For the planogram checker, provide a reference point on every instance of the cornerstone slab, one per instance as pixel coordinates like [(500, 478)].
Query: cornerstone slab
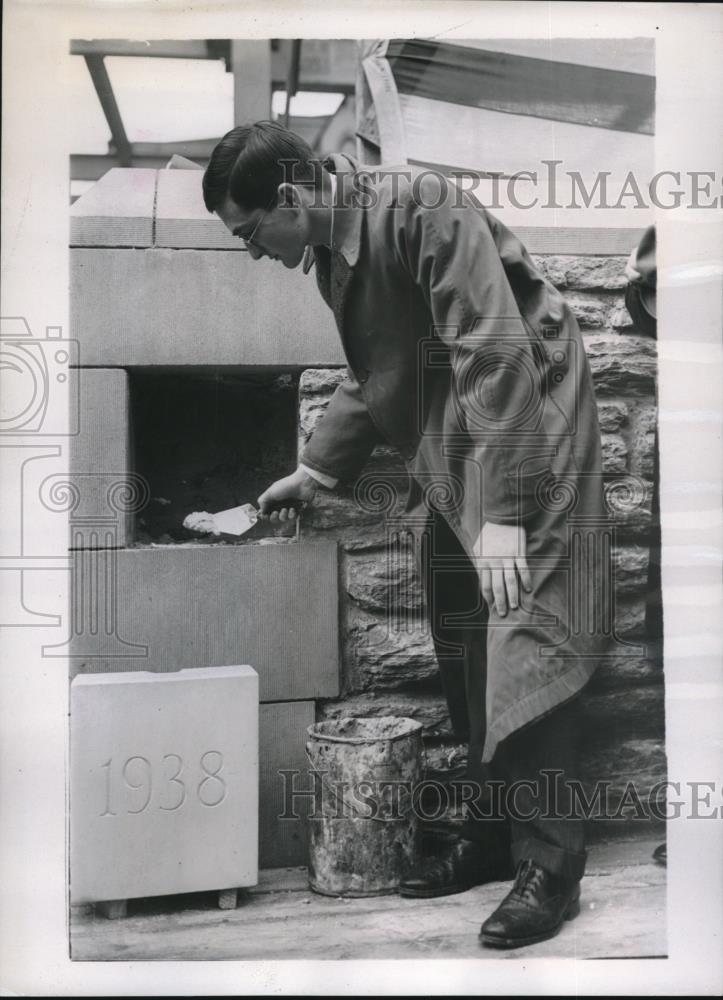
[(163, 783)]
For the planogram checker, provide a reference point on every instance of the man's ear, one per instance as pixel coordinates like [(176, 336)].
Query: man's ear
[(289, 196)]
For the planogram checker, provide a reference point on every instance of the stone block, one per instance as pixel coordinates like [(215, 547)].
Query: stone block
[(163, 783), (630, 615), (622, 364), (626, 671), (117, 211), (638, 758), (338, 514), (642, 440), (316, 387), (573, 240), (182, 219), (100, 460), (612, 414), (321, 381), (630, 569), (614, 454), (629, 713), (428, 709), (385, 581), (591, 311), (272, 605), (194, 307), (629, 500), (585, 273), (390, 653), (283, 735), (630, 765)]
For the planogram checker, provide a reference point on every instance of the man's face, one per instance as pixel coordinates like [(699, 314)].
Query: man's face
[(278, 233)]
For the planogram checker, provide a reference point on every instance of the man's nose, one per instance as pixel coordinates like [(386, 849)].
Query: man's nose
[(256, 254)]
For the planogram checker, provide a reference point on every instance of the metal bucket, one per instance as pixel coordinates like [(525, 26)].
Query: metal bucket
[(363, 833)]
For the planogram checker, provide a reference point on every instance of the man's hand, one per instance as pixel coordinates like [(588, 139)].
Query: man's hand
[(501, 549), (298, 486)]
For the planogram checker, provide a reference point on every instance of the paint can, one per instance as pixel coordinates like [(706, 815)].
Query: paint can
[(363, 831)]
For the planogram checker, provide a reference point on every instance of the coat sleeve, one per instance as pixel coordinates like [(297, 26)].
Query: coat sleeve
[(498, 373), (345, 436)]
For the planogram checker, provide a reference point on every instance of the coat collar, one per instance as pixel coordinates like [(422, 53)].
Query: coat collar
[(348, 215)]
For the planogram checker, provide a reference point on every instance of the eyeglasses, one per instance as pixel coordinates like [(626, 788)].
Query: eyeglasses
[(249, 240)]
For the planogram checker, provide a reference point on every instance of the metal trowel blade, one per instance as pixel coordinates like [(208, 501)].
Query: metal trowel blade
[(236, 520)]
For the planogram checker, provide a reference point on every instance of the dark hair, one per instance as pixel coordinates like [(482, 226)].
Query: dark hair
[(251, 161)]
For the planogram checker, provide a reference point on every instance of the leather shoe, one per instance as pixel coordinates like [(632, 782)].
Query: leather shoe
[(534, 910), (457, 867)]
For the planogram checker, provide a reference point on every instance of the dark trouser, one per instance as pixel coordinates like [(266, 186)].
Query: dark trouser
[(458, 617), (527, 786)]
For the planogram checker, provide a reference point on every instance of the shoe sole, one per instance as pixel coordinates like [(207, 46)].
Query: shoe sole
[(572, 911)]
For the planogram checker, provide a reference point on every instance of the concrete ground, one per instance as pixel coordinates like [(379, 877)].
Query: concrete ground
[(622, 916)]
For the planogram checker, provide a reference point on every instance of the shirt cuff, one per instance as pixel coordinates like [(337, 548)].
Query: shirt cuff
[(321, 477)]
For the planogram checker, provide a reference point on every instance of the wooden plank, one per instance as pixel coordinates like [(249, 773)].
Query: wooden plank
[(100, 459), (283, 736), (117, 211), (273, 606), (182, 219), (194, 307)]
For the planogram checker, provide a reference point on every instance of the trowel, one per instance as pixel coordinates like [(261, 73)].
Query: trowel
[(234, 521)]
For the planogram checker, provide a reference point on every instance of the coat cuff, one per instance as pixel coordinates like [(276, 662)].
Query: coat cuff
[(330, 482)]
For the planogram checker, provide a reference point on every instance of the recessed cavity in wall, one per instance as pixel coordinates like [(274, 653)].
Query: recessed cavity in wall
[(209, 440)]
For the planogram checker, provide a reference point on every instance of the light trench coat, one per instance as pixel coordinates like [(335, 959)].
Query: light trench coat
[(470, 363)]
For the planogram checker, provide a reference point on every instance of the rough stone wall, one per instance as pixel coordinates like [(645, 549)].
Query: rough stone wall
[(394, 672)]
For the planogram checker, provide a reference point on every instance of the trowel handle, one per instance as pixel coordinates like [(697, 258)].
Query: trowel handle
[(296, 502)]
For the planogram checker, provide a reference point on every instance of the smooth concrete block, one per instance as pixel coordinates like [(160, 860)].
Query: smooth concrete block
[(117, 211), (182, 219), (275, 606), (100, 460), (196, 307), (163, 783), (575, 240), (283, 737)]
